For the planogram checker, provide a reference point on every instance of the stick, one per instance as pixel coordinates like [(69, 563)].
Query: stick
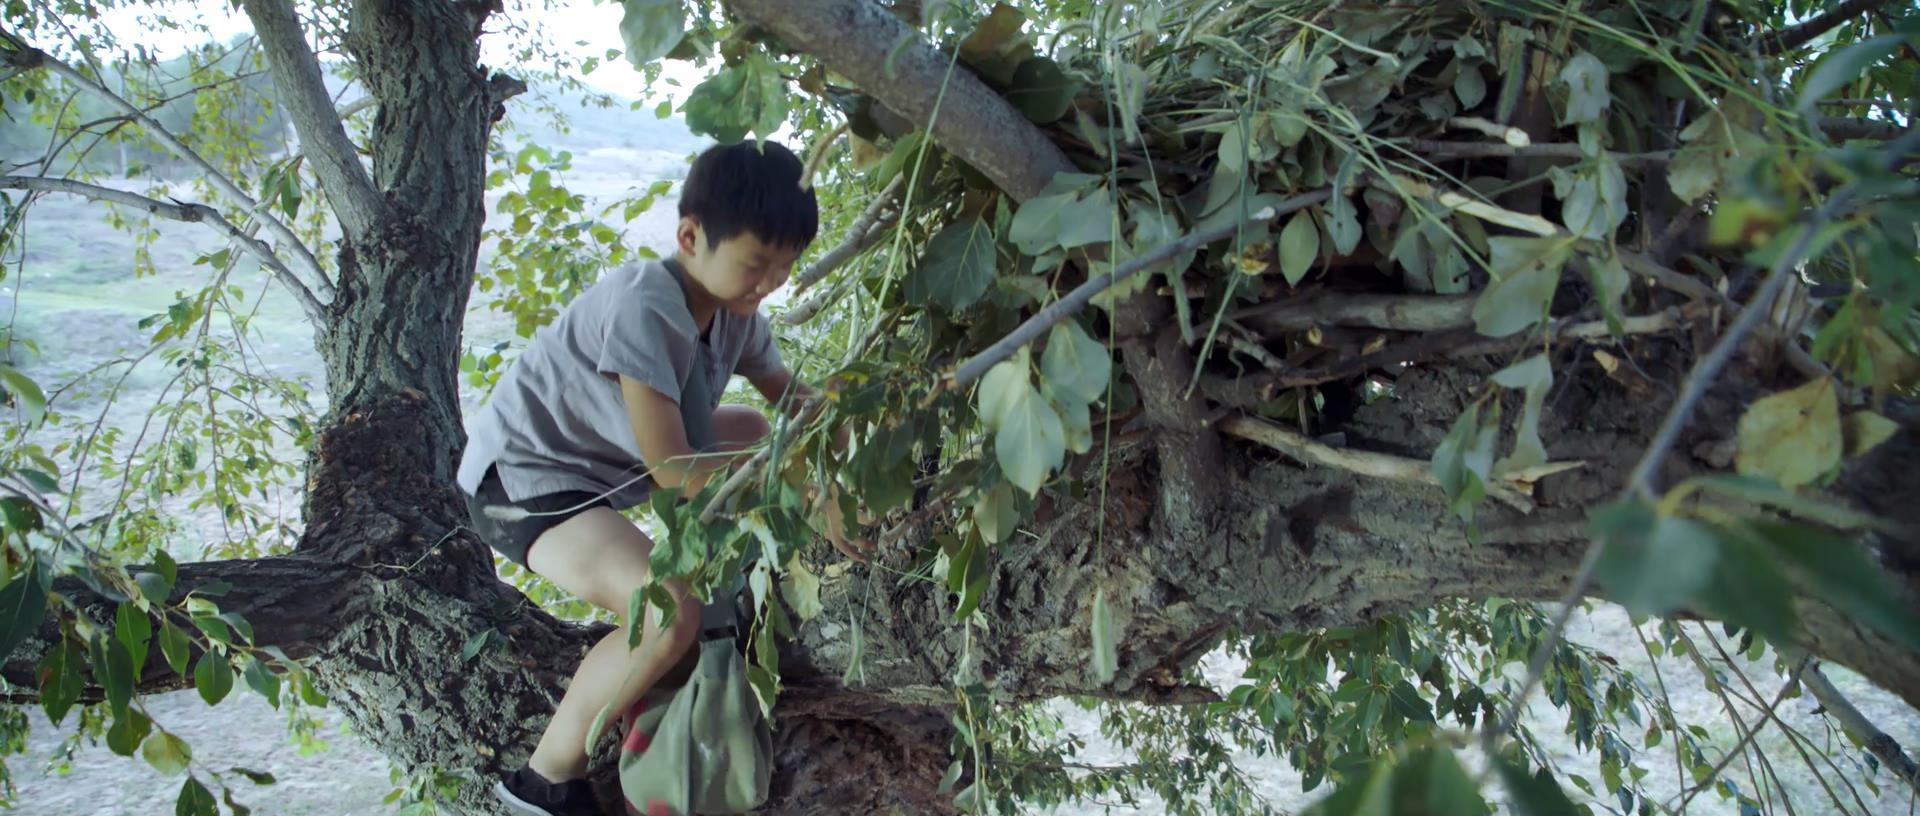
[(1061, 309), (1365, 463), (192, 213)]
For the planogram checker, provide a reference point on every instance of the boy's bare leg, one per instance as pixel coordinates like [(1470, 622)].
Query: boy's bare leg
[(601, 557)]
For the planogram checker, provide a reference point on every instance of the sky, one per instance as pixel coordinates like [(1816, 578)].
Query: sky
[(588, 26)]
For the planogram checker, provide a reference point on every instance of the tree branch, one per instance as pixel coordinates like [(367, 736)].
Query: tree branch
[(1060, 309), (1793, 37), (1416, 313), (1435, 149), (861, 40), (1370, 463), (293, 602), (26, 56), (296, 72), (192, 213), (1840, 127), (1884, 747), (863, 233)]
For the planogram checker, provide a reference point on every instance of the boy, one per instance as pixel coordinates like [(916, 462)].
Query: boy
[(616, 397)]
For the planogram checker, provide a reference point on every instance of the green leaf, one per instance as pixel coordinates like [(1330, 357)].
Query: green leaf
[(1534, 795), (1534, 376), (1463, 462), (26, 394), (213, 677), (766, 688), (256, 777), (129, 728), (1470, 86), (1299, 247), (1041, 91), (1527, 272), (1865, 430), (1343, 225), (135, 632), (956, 266), (1841, 67), (1586, 80), (1846, 577), (195, 800), (801, 588), (1609, 279), (598, 725), (1592, 205), (19, 515), (167, 753), (60, 680), (1652, 564), (651, 28), (175, 645), (1029, 439), (1075, 365), (1106, 660), (262, 679), (23, 602), (1077, 421), (1747, 588), (952, 776), (154, 587), (1792, 437), (994, 513), (40, 480), (995, 48), (749, 97), (1002, 386), (1693, 173), (1430, 780), (478, 640)]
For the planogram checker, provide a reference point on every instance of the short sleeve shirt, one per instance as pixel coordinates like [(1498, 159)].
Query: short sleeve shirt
[(557, 420)]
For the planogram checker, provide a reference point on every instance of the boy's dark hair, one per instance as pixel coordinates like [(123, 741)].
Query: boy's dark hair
[(746, 187)]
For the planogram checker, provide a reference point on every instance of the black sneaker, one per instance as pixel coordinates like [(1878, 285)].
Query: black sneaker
[(527, 793)]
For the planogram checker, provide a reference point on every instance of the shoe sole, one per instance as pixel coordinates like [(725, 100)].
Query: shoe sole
[(517, 804)]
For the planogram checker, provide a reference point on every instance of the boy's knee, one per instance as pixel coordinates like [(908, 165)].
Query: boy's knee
[(740, 425)]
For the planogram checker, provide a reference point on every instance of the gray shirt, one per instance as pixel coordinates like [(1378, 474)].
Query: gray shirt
[(557, 420)]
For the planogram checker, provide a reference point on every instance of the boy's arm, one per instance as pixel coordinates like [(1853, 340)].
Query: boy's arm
[(663, 439), (774, 387)]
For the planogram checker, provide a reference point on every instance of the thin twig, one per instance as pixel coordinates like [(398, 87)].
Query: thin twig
[(739, 477), (1787, 39), (28, 56), (1434, 149), (1883, 746), (192, 213), (1063, 308)]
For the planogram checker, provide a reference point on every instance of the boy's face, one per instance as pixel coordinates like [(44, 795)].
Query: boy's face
[(738, 273)]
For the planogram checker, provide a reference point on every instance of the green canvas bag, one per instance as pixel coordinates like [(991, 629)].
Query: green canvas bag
[(702, 747)]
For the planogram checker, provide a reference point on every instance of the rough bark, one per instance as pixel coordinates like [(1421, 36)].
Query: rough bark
[(863, 40)]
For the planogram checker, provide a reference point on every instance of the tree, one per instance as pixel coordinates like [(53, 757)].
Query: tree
[(1183, 323)]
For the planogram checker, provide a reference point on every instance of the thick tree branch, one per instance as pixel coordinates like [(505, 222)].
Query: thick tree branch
[(863, 41), (293, 602), (192, 213), (1842, 128), (26, 56), (1787, 39), (296, 72)]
